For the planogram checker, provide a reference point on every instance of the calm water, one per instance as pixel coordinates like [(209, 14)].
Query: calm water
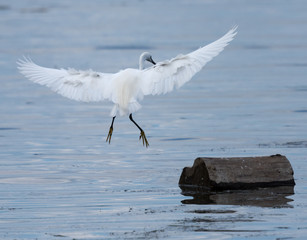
[(60, 180)]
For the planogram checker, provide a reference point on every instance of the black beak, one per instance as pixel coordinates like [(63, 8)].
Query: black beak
[(152, 61)]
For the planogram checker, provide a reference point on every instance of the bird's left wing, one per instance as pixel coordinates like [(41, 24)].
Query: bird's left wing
[(164, 76), (86, 86)]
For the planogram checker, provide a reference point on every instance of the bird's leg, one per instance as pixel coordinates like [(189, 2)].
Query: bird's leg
[(110, 131), (142, 135)]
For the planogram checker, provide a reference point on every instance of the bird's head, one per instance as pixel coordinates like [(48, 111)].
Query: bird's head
[(145, 56)]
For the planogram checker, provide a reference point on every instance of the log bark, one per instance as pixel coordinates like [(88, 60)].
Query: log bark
[(237, 173)]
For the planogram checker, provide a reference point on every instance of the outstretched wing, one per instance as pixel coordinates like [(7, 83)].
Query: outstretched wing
[(164, 76), (86, 86)]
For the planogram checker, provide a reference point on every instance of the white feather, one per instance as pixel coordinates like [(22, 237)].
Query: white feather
[(86, 86), (128, 86), (164, 76)]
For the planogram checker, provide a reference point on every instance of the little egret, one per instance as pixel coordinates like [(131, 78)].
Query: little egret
[(126, 87)]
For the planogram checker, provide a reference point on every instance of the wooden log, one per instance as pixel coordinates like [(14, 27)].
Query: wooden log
[(237, 173)]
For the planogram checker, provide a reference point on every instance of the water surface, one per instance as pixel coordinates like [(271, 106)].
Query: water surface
[(59, 179)]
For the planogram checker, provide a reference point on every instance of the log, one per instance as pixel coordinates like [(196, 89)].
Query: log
[(208, 174)]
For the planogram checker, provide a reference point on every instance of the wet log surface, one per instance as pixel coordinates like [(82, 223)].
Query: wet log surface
[(208, 174)]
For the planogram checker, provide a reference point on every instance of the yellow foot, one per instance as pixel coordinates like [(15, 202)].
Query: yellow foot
[(109, 135), (144, 139)]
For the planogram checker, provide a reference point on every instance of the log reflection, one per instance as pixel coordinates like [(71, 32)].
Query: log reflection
[(262, 197)]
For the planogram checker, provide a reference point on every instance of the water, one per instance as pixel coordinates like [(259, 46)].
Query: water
[(60, 180)]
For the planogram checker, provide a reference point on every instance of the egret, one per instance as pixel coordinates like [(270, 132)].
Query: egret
[(126, 87)]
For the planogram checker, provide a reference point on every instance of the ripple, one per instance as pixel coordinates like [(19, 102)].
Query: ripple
[(8, 128), (124, 47), (178, 139)]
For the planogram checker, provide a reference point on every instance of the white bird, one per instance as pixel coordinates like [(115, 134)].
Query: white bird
[(126, 87)]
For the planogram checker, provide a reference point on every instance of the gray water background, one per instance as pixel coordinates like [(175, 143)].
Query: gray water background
[(59, 179)]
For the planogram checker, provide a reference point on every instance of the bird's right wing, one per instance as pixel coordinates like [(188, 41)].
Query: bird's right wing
[(86, 86), (164, 76)]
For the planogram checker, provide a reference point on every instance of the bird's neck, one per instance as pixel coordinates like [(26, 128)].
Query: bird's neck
[(141, 64)]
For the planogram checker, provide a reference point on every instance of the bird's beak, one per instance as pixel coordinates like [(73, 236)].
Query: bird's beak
[(152, 61)]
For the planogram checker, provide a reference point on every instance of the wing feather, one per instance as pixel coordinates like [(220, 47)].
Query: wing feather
[(86, 86), (170, 74)]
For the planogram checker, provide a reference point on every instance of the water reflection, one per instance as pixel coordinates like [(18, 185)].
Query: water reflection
[(262, 197)]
